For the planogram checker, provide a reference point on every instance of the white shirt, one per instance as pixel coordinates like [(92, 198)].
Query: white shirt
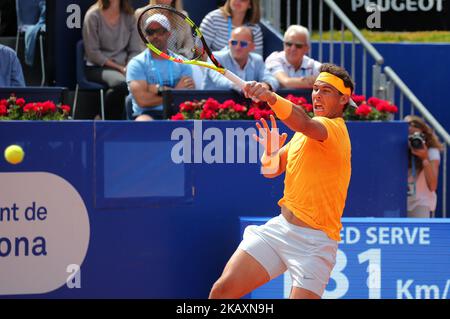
[(277, 62), (423, 195)]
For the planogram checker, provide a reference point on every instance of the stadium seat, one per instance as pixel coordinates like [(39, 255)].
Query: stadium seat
[(129, 108), (82, 81), (28, 12)]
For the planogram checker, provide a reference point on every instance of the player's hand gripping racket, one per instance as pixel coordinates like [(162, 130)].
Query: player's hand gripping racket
[(193, 49)]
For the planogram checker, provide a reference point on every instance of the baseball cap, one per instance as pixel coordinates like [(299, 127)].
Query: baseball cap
[(158, 18)]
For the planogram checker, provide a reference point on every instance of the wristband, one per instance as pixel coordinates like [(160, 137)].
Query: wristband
[(282, 107), (270, 164)]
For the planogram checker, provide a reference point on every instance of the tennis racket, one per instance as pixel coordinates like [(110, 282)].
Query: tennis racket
[(194, 46)]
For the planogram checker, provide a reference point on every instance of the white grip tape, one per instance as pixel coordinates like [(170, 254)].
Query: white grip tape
[(235, 79)]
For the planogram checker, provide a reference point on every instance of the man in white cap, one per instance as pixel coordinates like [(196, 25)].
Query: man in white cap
[(148, 74)]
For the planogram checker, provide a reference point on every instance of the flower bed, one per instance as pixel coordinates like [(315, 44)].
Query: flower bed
[(18, 109), (210, 109)]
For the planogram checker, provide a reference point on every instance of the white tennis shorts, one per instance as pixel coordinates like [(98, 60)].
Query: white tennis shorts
[(307, 253)]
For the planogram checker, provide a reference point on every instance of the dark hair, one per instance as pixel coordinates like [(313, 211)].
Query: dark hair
[(125, 6), (340, 73)]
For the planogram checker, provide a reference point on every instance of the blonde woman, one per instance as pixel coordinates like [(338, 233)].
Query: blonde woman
[(218, 24), (423, 168)]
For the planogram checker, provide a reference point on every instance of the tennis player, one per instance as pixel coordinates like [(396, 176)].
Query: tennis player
[(304, 238)]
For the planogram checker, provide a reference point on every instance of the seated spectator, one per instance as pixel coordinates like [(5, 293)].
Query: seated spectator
[(218, 24), (240, 60), (148, 75), (292, 68), (423, 168), (10, 68), (182, 39), (110, 39)]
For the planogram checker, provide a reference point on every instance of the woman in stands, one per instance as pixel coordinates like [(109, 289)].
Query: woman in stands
[(218, 24), (110, 39), (423, 168)]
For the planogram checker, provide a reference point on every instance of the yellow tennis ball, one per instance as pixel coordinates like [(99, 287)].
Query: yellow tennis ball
[(14, 154)]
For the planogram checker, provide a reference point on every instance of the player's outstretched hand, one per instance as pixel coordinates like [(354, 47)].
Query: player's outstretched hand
[(270, 138)]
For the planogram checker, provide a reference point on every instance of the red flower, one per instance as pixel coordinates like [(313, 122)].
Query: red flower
[(211, 105), (20, 102), (177, 117), (29, 107), (374, 101), (266, 114), (228, 104), (255, 112), (308, 107), (363, 110), (48, 107), (393, 109), (296, 100), (4, 102), (385, 106), (358, 99), (3, 110), (65, 108), (208, 114), (239, 108), (187, 106)]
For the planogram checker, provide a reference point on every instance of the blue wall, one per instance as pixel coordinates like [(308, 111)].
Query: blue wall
[(161, 230)]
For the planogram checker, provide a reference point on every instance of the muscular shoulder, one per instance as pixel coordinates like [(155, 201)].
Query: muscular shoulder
[(336, 127)]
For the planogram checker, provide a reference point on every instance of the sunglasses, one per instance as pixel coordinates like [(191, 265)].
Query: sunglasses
[(159, 31), (243, 44), (297, 45)]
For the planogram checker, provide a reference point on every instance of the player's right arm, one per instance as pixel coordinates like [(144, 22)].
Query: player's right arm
[(293, 116)]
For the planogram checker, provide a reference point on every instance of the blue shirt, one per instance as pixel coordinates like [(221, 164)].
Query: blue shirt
[(10, 68), (254, 70), (144, 67)]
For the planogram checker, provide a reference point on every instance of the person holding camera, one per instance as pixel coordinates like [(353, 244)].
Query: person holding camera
[(423, 168)]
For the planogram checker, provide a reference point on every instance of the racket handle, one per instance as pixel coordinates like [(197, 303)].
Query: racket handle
[(235, 79)]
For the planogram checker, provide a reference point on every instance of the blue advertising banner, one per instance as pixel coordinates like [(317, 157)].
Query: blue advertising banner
[(389, 258)]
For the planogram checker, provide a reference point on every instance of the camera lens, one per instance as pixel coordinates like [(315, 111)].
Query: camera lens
[(416, 141)]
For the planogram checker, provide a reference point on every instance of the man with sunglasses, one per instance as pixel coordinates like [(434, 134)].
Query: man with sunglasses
[(292, 67), (240, 59), (148, 75)]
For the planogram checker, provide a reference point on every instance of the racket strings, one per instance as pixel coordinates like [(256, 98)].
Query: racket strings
[(158, 25)]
